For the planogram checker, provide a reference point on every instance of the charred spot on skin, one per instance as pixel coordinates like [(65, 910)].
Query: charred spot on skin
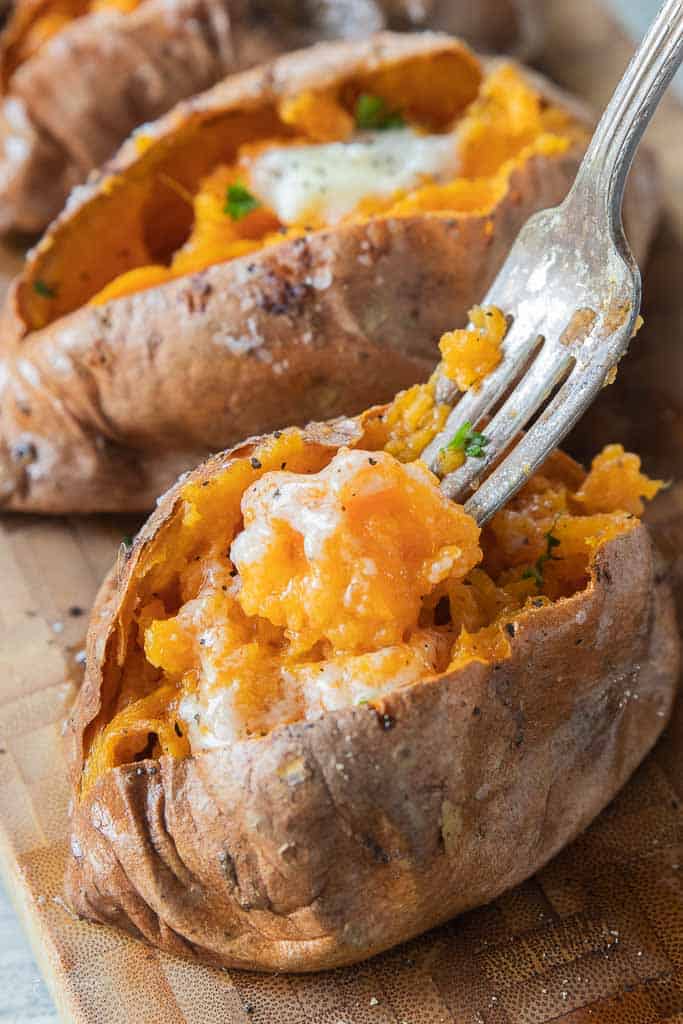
[(378, 854), (476, 711), (603, 574), (24, 453), (227, 866), (285, 298), (197, 297), (520, 722)]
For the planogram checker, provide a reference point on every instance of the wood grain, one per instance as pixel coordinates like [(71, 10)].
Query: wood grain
[(596, 936)]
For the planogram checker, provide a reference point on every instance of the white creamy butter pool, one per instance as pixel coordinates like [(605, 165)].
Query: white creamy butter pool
[(328, 181)]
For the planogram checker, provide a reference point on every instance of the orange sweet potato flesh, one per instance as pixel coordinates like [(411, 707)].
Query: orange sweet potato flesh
[(450, 789)]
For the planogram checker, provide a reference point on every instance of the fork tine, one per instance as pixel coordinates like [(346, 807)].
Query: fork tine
[(554, 423), (518, 346), (533, 389)]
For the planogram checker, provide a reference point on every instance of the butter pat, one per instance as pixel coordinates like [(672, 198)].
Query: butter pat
[(326, 182)]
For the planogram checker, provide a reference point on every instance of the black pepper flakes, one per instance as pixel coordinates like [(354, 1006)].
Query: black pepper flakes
[(510, 628), (476, 711), (255, 463), (387, 721), (76, 611), (373, 462)]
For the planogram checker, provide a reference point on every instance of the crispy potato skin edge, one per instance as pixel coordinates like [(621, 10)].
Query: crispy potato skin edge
[(327, 842)]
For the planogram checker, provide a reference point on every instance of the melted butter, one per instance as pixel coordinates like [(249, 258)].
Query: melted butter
[(325, 183)]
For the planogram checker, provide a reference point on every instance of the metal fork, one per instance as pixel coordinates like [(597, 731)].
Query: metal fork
[(572, 290)]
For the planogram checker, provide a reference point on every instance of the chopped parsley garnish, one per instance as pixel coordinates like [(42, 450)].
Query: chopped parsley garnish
[(43, 289), (469, 441), (372, 114), (239, 201), (535, 573), (127, 541)]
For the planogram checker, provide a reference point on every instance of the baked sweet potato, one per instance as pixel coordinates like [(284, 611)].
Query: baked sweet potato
[(79, 75), (322, 713), (166, 314)]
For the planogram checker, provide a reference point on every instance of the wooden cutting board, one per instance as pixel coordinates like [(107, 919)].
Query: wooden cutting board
[(597, 936)]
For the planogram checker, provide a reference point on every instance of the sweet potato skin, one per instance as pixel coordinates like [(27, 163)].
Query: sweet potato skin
[(328, 841)]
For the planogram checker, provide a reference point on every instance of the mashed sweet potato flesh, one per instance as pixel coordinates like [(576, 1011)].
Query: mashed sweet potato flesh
[(299, 580), (505, 125)]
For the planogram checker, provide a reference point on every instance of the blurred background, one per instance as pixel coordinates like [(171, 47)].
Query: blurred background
[(635, 16)]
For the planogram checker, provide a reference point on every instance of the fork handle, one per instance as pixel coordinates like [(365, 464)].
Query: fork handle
[(602, 176)]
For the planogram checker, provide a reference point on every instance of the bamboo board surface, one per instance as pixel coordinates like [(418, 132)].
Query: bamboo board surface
[(597, 936)]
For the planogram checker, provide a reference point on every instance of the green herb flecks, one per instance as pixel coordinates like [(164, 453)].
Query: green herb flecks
[(239, 201), (372, 114), (43, 289), (535, 573), (469, 441)]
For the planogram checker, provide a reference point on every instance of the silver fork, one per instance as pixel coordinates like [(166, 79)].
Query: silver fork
[(572, 290)]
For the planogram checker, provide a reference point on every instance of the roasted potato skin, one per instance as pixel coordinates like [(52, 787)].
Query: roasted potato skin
[(329, 841), (101, 409)]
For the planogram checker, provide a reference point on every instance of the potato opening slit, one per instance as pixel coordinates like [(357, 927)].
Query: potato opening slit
[(500, 123)]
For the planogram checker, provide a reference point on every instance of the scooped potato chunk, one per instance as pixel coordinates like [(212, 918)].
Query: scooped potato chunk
[(319, 603), (344, 557)]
